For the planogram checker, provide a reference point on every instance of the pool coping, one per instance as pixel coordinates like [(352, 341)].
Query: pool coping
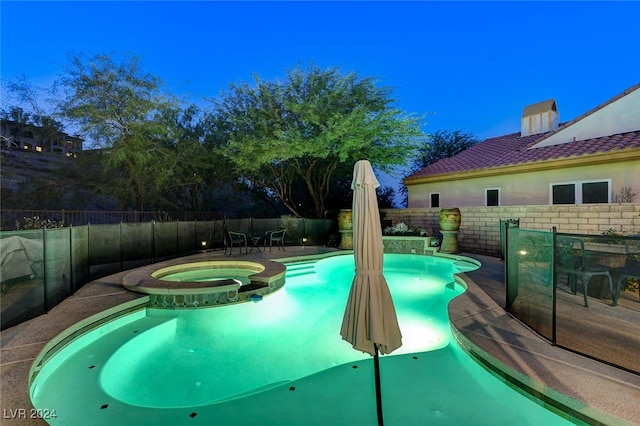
[(557, 402), (67, 336), (592, 391), (470, 311)]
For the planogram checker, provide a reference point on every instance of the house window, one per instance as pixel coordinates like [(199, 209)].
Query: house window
[(563, 194), (492, 197), (595, 192), (434, 199), (588, 192)]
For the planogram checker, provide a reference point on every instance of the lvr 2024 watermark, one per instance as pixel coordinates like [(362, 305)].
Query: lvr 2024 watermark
[(28, 413)]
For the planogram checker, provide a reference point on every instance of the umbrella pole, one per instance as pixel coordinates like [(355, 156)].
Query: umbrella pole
[(376, 367)]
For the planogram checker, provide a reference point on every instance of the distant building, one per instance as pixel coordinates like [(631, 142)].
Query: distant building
[(592, 159), (28, 137)]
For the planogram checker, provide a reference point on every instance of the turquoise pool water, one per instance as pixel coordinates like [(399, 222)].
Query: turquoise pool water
[(255, 363), (210, 274)]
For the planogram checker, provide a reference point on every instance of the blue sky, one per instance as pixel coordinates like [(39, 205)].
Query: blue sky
[(472, 65)]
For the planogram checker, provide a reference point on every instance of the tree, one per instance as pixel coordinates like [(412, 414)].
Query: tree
[(187, 188), (385, 196), (441, 144), (119, 106), (26, 181), (151, 154), (29, 114), (277, 134)]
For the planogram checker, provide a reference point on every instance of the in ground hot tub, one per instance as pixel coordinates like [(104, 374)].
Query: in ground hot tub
[(212, 272), (174, 285)]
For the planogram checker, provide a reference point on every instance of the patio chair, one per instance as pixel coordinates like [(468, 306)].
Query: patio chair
[(235, 238), (573, 262), (631, 269), (277, 237)]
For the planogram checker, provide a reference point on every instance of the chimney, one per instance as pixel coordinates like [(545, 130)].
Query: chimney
[(539, 118)]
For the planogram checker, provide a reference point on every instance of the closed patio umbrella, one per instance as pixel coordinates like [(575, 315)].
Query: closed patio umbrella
[(369, 323)]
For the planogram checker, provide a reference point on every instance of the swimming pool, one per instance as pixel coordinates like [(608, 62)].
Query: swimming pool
[(236, 364)]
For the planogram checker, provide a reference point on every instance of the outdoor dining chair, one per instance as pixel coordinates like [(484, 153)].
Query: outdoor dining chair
[(277, 237), (235, 238), (572, 260), (631, 269)]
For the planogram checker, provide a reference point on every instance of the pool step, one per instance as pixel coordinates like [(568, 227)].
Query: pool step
[(253, 391), (300, 268)]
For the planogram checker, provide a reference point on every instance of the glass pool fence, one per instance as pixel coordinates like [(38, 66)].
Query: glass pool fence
[(578, 291), (40, 268)]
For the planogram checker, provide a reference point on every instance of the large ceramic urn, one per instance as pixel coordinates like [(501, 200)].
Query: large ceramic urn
[(450, 219), (345, 227)]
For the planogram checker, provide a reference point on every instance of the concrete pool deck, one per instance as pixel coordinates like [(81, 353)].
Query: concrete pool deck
[(604, 393)]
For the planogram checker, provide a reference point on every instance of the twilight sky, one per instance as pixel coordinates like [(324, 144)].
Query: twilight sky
[(468, 65)]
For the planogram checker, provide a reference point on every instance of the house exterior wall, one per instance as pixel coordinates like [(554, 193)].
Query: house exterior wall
[(525, 188), (620, 116), (480, 226)]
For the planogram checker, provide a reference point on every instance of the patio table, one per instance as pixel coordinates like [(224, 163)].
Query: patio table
[(255, 243)]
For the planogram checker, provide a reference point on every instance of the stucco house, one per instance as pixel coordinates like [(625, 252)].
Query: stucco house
[(593, 159)]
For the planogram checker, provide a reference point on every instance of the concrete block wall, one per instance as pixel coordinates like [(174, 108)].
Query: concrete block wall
[(480, 226)]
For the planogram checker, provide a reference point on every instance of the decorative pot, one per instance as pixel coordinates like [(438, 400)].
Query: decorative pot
[(449, 226), (345, 220), (345, 227), (450, 219)]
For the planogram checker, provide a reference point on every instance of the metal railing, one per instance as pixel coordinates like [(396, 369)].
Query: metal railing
[(9, 218)]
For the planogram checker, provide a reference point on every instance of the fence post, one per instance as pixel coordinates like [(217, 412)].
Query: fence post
[(45, 305), (120, 247), (504, 224), (89, 251), (553, 284), (153, 241), (71, 281)]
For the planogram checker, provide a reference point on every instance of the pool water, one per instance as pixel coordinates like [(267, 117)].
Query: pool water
[(210, 274), (201, 366)]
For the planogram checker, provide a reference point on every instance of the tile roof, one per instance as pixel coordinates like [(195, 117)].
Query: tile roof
[(512, 149), (509, 150)]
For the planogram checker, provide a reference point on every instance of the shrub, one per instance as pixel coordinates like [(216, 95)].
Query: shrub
[(399, 229), (37, 223)]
